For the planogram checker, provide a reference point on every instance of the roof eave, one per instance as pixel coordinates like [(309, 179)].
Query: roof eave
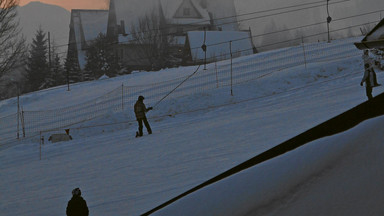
[(378, 44)]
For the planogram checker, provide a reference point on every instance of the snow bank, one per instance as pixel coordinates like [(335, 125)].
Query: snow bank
[(338, 175)]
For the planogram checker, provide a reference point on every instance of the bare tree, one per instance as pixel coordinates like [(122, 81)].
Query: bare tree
[(154, 40), (12, 45)]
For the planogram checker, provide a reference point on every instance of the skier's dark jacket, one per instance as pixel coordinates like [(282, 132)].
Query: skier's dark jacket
[(77, 207), (140, 109)]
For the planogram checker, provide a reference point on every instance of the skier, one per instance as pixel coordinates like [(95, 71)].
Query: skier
[(366, 57), (368, 79), (77, 205), (368, 60), (140, 111)]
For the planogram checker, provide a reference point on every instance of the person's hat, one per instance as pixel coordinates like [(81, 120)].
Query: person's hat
[(141, 97), (76, 192), (366, 65)]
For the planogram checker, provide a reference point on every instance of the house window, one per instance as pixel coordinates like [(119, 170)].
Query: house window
[(187, 12)]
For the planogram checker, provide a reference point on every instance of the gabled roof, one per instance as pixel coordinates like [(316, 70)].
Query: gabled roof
[(172, 10), (374, 39), (87, 25), (218, 46)]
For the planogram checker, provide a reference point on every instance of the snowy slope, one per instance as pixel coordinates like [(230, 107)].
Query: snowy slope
[(121, 175)]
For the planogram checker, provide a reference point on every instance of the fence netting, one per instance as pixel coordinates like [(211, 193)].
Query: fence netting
[(218, 75)]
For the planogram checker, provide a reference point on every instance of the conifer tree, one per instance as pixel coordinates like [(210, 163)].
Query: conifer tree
[(72, 68), (56, 74), (100, 59), (37, 66), (58, 71)]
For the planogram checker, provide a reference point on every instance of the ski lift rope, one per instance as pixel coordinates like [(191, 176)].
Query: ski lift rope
[(177, 86)]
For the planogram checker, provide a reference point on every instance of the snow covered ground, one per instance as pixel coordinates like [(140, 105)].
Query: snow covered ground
[(121, 175)]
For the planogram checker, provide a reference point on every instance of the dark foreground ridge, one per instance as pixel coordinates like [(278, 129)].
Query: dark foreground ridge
[(345, 121)]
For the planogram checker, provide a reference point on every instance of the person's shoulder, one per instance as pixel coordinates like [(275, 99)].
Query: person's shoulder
[(77, 199), (83, 200)]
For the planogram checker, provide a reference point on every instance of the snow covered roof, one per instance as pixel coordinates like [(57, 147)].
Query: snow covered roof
[(374, 39), (218, 46), (87, 25), (94, 23)]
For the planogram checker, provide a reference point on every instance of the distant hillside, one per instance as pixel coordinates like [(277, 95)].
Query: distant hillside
[(50, 18)]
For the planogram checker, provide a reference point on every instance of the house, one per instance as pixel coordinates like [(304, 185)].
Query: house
[(176, 18), (374, 39), (85, 26), (223, 14), (220, 45), (182, 16)]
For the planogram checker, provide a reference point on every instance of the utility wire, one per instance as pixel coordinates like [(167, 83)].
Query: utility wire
[(246, 14), (247, 19), (280, 31), (299, 27), (286, 41), (280, 42), (275, 32)]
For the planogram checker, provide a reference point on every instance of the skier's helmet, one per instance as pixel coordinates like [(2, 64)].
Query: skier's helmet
[(141, 98), (76, 192)]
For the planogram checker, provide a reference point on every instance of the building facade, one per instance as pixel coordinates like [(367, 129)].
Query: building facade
[(176, 18)]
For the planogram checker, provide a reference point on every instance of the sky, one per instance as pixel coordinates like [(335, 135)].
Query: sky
[(275, 97), (74, 4)]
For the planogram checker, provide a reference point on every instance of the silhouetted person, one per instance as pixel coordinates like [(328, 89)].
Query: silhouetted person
[(368, 60), (368, 79), (77, 205), (140, 111)]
